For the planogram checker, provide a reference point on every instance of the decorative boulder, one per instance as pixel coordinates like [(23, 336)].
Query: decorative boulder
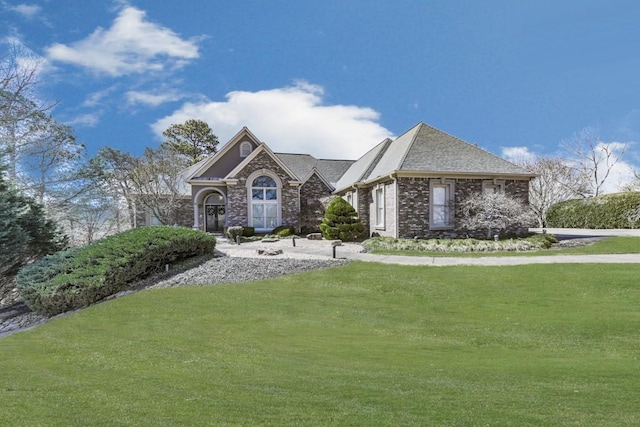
[(314, 236), (336, 243), (269, 252)]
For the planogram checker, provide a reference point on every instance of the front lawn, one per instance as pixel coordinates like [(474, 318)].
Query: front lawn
[(364, 344)]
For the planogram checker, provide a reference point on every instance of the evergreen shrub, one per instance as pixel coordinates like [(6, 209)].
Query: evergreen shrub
[(79, 277), (602, 212), (284, 231), (341, 221)]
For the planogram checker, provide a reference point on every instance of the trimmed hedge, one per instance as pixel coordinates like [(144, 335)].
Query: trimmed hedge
[(78, 277), (607, 211)]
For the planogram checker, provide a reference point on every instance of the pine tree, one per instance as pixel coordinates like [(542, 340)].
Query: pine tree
[(25, 232), (341, 221)]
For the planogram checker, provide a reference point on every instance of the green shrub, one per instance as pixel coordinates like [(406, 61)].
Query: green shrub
[(341, 221), (77, 278), (284, 231), (248, 231), (606, 211), (234, 232)]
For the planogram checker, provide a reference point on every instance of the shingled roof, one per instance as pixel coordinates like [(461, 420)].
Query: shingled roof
[(303, 164), (426, 149)]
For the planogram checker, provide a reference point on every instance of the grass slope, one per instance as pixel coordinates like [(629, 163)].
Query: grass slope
[(363, 344)]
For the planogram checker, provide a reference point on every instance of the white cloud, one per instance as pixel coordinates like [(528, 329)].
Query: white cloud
[(86, 120), (518, 154), (152, 99), (290, 119), (29, 11), (131, 45), (98, 98)]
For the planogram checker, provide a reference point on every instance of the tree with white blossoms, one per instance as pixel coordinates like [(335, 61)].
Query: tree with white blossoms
[(494, 213), (555, 182)]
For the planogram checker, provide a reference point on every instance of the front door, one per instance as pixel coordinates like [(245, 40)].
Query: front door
[(215, 213), (215, 218)]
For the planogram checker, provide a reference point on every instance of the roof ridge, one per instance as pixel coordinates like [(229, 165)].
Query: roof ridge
[(410, 145), (387, 143)]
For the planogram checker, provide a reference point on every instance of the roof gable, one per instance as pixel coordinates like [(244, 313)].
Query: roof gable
[(315, 172), (221, 163), (361, 168), (262, 148)]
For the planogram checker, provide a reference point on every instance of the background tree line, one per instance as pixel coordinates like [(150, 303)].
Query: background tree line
[(52, 194)]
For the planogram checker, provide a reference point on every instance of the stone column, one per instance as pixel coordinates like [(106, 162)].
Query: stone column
[(196, 216)]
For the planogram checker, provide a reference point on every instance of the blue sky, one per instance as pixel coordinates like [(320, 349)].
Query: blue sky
[(333, 78)]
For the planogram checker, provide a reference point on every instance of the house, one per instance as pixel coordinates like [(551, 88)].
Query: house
[(404, 187)]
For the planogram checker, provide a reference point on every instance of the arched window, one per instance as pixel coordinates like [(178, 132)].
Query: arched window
[(245, 149), (264, 202)]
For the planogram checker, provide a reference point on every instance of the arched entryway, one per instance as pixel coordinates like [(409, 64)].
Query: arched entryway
[(215, 213)]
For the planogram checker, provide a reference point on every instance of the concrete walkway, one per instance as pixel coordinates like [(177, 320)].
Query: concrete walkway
[(562, 233)]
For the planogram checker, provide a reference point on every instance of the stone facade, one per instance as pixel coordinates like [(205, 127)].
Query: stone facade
[(314, 198), (413, 204), (237, 201)]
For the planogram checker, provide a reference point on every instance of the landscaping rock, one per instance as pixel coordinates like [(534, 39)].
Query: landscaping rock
[(269, 252), (314, 236), (336, 243)]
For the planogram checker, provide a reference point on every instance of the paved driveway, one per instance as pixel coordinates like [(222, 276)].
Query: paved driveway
[(568, 233)]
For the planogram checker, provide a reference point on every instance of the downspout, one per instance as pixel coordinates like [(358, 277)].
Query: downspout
[(299, 209), (396, 212)]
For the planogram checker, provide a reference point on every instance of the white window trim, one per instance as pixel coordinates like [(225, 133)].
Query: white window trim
[(278, 201), (379, 206), (497, 184), (243, 149), (450, 187), (152, 219)]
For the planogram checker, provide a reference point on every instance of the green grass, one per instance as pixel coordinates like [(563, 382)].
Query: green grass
[(364, 344), (608, 245)]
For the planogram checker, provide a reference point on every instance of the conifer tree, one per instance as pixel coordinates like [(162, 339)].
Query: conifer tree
[(341, 221), (25, 232)]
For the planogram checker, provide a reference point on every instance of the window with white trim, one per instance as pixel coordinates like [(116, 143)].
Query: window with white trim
[(264, 202), (152, 218), (493, 186), (441, 204), (379, 206), (245, 149)]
